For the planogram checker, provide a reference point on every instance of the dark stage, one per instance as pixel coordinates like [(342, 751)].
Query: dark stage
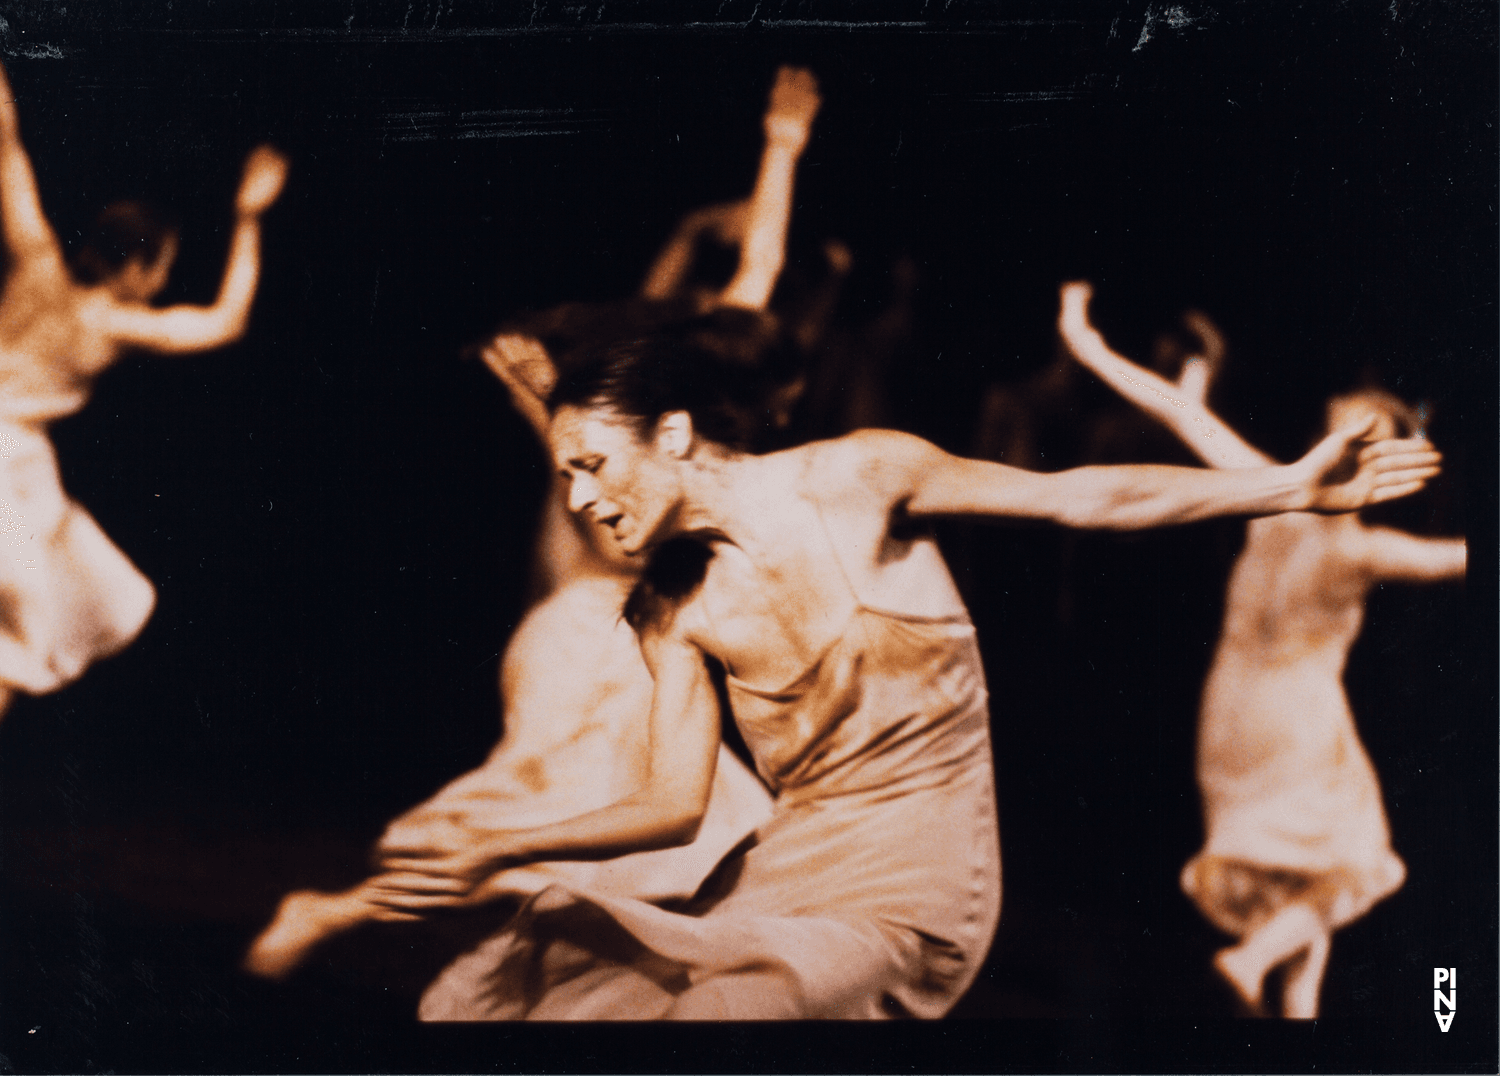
[(337, 511)]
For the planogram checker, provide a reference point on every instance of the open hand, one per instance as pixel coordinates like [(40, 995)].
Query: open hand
[(523, 364), (1346, 472), (439, 857), (794, 103), (265, 174)]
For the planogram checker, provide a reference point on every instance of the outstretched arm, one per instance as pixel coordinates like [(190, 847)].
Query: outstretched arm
[(788, 123), (1393, 555), (1178, 407), (27, 233), (666, 812), (185, 328), (923, 480)]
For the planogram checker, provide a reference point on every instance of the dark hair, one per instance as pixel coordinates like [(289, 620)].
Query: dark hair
[(725, 369), (123, 231)]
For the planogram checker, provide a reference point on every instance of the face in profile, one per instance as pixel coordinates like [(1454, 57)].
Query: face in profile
[(619, 480)]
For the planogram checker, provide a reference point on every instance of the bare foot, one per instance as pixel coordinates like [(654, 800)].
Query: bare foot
[(303, 919)]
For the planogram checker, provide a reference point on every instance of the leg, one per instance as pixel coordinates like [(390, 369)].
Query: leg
[(1291, 930), (1304, 981)]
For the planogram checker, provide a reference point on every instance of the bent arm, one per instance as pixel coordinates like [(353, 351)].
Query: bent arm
[(788, 122), (1399, 557), (1182, 412), (665, 812), (671, 266), (27, 233), (186, 328)]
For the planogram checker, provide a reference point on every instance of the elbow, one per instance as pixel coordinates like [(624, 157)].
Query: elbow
[(232, 325)]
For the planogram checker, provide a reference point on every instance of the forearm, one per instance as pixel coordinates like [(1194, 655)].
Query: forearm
[(1209, 438), (241, 275), (637, 823), (1139, 496), (671, 265), (763, 251)]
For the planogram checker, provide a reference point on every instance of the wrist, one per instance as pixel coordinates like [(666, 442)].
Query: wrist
[(1301, 491), (786, 133), (503, 848)]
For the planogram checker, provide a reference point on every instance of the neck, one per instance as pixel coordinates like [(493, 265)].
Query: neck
[(718, 496)]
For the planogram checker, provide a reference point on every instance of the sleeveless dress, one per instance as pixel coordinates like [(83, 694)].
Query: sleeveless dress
[(873, 890), (1307, 824), (68, 596)]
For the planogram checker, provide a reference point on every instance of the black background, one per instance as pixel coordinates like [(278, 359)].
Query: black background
[(336, 511)]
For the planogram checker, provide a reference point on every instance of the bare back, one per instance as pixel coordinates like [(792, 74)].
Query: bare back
[(51, 341), (1297, 592)]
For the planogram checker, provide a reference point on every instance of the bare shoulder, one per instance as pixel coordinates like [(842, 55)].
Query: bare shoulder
[(881, 463)]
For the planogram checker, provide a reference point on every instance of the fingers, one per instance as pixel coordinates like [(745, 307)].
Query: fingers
[(399, 882), (1396, 466), (1355, 431), (1390, 493), (1406, 475), (1416, 449)]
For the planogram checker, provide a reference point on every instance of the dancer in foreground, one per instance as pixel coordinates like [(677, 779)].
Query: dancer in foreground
[(575, 693), (807, 588), (1297, 839), (68, 596)]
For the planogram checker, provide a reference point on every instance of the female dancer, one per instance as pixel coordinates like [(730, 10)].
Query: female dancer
[(1297, 840), (68, 596), (575, 693), (804, 586)]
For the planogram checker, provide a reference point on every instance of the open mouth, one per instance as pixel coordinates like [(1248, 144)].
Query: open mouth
[(612, 521)]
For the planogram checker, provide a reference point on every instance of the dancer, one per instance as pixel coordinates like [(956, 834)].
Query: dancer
[(575, 692), (1297, 839), (805, 586), (68, 596)]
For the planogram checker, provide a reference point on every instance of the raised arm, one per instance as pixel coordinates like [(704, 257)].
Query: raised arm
[(26, 231), (524, 367), (922, 480), (186, 328), (726, 220), (1180, 408), (1389, 554), (665, 812), (788, 123)]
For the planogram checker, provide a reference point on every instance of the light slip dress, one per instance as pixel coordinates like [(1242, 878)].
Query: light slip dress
[(1306, 825), (873, 891)]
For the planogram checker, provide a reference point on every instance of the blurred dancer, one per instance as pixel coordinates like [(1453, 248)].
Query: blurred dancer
[(804, 589), (1297, 839), (575, 693), (68, 596)]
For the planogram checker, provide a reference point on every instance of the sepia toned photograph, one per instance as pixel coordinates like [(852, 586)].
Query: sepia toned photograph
[(748, 537)]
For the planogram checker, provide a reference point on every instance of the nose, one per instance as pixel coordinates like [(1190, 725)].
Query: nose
[(582, 493)]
